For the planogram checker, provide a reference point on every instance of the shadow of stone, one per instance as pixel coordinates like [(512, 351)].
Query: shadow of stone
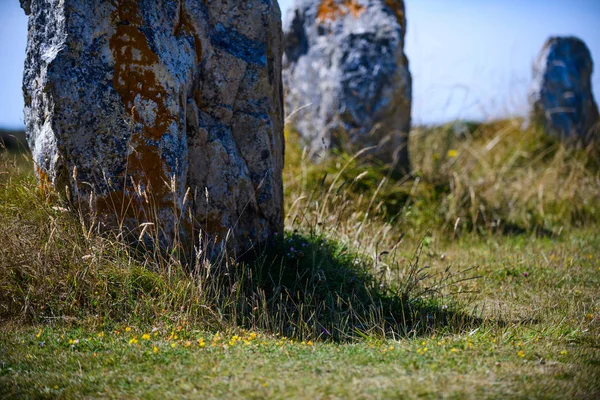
[(308, 287)]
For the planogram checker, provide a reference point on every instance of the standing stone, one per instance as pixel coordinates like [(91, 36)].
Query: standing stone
[(347, 77), (161, 115), (561, 94)]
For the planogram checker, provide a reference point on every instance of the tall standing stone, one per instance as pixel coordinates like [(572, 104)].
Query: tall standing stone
[(346, 75), (561, 94), (161, 112)]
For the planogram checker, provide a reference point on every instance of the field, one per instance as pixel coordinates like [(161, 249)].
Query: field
[(477, 276)]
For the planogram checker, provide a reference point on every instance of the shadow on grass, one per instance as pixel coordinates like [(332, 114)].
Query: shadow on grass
[(307, 287)]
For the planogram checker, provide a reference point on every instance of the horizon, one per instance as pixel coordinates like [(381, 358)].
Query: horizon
[(470, 60)]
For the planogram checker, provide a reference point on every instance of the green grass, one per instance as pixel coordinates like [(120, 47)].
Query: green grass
[(479, 276), (486, 363)]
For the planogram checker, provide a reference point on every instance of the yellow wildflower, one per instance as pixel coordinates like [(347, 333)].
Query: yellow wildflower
[(155, 350), (452, 153), (145, 336), (173, 345), (521, 353), (133, 340), (128, 329)]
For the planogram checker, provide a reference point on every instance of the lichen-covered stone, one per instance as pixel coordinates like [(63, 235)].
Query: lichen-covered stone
[(346, 75), (561, 94), (163, 112)]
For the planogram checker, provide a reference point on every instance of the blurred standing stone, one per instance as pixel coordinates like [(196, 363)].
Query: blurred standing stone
[(561, 94), (130, 103), (346, 76)]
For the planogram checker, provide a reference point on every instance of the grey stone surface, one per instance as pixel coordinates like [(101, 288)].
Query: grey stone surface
[(346, 76), (561, 94), (131, 103)]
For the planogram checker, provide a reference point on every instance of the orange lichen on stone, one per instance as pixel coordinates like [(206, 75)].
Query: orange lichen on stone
[(328, 10), (184, 24), (212, 223), (44, 184), (135, 78), (119, 204), (331, 10), (354, 8), (134, 68), (398, 10)]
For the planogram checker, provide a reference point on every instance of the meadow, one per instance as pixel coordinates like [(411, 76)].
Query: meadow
[(476, 276)]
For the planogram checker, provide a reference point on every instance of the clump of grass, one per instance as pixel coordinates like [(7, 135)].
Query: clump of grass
[(307, 284), (346, 266), (346, 269), (482, 178)]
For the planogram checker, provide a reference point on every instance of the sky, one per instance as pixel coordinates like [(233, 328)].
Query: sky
[(470, 59)]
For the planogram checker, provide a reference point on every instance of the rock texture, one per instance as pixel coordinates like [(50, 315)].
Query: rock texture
[(167, 112), (561, 94), (347, 78)]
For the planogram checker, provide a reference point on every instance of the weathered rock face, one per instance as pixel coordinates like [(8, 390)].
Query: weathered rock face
[(167, 112), (346, 76), (561, 94)]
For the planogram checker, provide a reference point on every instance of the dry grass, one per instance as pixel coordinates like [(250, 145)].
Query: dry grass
[(57, 266), (368, 262), (487, 179)]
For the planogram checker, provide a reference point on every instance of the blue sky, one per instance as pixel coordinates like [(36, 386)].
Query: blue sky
[(469, 58)]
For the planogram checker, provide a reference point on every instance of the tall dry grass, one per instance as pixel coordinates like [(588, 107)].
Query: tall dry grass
[(349, 264), (487, 179)]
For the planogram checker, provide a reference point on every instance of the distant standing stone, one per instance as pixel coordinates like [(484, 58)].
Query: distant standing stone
[(161, 112), (561, 94), (347, 80)]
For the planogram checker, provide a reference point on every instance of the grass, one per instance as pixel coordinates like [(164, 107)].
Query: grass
[(476, 277)]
